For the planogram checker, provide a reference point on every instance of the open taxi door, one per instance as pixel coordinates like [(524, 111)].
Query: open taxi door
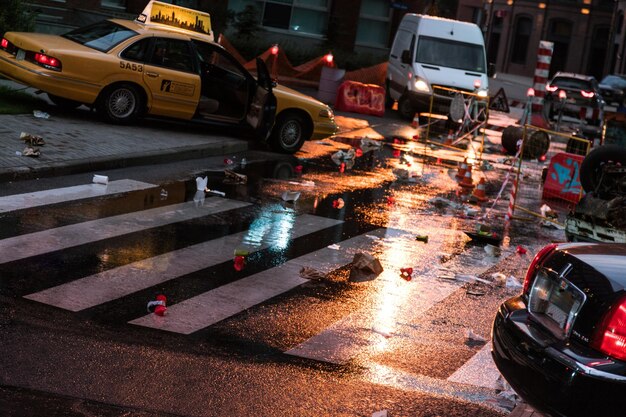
[(262, 110)]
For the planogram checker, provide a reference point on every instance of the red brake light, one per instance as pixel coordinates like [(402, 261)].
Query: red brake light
[(551, 88), (535, 264), (610, 337), (587, 94), (48, 61), (4, 43)]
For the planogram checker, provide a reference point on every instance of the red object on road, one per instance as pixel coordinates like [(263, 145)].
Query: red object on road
[(239, 263), (406, 273), (521, 250), (158, 307), (342, 167), (298, 169), (361, 98)]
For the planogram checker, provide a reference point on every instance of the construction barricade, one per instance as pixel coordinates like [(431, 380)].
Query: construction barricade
[(362, 98), (547, 173)]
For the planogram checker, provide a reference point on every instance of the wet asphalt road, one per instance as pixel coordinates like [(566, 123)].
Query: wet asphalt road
[(407, 337)]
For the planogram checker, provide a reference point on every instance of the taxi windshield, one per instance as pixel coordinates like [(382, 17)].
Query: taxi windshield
[(101, 36)]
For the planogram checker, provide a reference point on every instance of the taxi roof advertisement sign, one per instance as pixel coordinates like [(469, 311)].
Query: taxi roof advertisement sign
[(157, 13)]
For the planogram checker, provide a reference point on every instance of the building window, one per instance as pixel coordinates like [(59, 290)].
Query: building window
[(190, 4), (523, 29), (114, 3), (373, 29), (302, 16)]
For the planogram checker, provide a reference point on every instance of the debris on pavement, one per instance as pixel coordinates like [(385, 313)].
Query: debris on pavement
[(507, 398), (158, 306), (368, 144), (364, 267), (291, 196), (312, 273), (40, 114), (492, 250), (382, 331), (30, 151), (422, 238), (100, 179), (32, 140), (471, 279), (406, 273), (232, 177), (499, 279), (381, 413), (513, 283), (338, 203), (475, 292), (201, 183), (239, 263), (334, 246), (220, 193), (520, 250), (403, 174), (341, 155), (473, 339)]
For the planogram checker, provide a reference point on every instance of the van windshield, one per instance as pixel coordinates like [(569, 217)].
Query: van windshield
[(449, 53)]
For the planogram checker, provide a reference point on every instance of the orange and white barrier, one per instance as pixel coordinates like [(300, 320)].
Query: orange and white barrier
[(356, 97)]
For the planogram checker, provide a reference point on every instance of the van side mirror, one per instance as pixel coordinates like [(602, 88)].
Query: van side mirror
[(491, 70), (406, 56)]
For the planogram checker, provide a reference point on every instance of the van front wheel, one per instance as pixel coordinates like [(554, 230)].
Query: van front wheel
[(405, 109)]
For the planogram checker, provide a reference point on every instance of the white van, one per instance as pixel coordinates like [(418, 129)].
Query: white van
[(430, 52)]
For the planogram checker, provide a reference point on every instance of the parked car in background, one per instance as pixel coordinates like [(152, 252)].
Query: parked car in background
[(164, 63), (561, 343), (613, 88), (582, 101)]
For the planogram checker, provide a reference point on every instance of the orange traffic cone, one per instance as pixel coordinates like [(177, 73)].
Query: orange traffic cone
[(416, 120), (449, 139), (479, 192), (467, 181), (462, 168)]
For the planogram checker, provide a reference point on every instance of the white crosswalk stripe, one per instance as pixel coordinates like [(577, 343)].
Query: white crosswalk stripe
[(38, 243), (118, 282), (66, 194), (213, 306)]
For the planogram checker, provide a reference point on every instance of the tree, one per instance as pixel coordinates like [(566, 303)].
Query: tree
[(246, 23), (15, 15)]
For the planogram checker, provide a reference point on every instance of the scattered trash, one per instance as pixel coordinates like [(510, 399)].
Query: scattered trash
[(334, 246), (338, 203), (291, 196), (472, 338), (220, 193), (521, 250), (476, 293), (499, 279), (513, 283), (406, 273), (471, 279), (441, 202), (368, 144), (100, 179), (381, 413), (228, 161), (232, 177), (382, 331), (30, 151), (40, 114), (32, 140), (422, 238), (311, 273), (243, 162), (158, 306), (403, 174), (241, 252), (358, 152), (483, 234), (492, 250), (390, 201), (342, 167), (201, 183), (163, 194), (365, 267), (343, 155), (549, 217), (486, 166), (239, 263), (18, 153), (470, 211), (302, 183)]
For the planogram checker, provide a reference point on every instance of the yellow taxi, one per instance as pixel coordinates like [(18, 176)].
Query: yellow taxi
[(164, 63)]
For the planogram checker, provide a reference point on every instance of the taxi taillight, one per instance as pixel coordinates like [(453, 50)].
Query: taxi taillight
[(47, 61), (4, 43)]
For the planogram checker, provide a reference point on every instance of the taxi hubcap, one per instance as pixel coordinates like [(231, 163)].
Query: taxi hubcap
[(122, 103), (290, 133)]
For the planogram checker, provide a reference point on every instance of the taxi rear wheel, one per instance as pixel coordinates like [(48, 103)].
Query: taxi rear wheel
[(64, 103), (289, 133), (120, 103)]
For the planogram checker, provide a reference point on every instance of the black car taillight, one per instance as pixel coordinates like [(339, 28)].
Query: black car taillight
[(535, 265), (4, 43), (47, 61), (610, 337)]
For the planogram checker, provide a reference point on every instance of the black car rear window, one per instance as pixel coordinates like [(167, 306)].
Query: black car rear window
[(101, 36), (573, 83)]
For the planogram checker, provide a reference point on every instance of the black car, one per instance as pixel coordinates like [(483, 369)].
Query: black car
[(612, 88), (582, 100), (561, 344)]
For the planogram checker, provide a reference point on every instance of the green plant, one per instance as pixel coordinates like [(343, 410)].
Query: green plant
[(246, 23), (16, 15), (14, 101)]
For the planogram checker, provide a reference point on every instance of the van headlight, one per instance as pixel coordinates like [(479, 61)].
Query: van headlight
[(482, 93), (421, 85)]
